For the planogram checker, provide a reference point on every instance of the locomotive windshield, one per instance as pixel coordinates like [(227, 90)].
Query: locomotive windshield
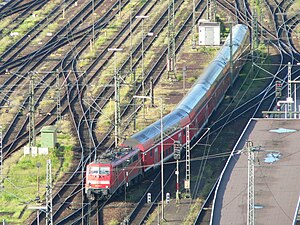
[(99, 170)]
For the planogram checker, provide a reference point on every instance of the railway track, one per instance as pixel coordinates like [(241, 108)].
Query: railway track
[(76, 90), (69, 101), (46, 79)]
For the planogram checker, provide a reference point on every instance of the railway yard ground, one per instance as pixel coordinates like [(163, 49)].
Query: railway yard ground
[(60, 64)]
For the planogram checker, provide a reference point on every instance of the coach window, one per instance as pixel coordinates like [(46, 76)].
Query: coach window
[(151, 153)]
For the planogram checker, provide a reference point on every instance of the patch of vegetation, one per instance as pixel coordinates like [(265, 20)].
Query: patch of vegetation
[(193, 213), (25, 177), (27, 24), (113, 222)]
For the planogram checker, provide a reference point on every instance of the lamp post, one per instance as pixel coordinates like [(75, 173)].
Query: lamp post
[(161, 151), (117, 96), (143, 75)]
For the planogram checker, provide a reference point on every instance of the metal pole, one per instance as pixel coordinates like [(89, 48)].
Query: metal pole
[(289, 86), (207, 8), (93, 38), (1, 158), (231, 58), (116, 102), (194, 25), (38, 165), (187, 182), (49, 216), (250, 210), (58, 116), (162, 159), (177, 181), (117, 96), (171, 58), (31, 114), (143, 84), (183, 78), (37, 217), (295, 100), (134, 106), (130, 27)]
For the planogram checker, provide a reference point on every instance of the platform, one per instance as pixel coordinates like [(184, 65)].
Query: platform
[(277, 175)]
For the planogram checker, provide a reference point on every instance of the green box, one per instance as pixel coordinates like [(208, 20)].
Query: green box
[(48, 136)]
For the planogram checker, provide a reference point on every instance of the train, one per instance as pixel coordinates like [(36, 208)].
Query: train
[(141, 152)]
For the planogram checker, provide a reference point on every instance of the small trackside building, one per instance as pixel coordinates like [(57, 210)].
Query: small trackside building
[(209, 33)]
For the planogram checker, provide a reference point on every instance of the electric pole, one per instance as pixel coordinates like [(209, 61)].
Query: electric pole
[(1, 158), (208, 8), (187, 182), (214, 10), (117, 108), (290, 87), (32, 142), (254, 35), (171, 61), (194, 30), (254, 42), (177, 151), (131, 67), (250, 209), (58, 106), (231, 53), (49, 216), (117, 96)]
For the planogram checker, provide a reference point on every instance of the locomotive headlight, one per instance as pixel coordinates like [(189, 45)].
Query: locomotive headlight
[(106, 186)]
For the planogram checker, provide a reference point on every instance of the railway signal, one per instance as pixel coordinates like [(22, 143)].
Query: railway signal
[(278, 89), (177, 148), (149, 198), (168, 198)]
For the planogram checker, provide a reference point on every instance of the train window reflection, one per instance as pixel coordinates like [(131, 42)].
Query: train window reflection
[(104, 170), (99, 170)]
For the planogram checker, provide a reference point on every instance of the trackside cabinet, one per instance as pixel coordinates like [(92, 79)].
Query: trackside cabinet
[(48, 136)]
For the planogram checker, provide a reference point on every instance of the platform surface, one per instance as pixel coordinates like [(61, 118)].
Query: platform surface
[(277, 179)]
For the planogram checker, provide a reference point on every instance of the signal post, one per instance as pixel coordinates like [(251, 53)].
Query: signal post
[(177, 148)]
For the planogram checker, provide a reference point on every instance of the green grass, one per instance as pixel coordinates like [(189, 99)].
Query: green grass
[(193, 213), (113, 222), (21, 175)]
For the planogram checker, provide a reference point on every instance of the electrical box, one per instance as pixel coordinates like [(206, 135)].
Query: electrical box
[(209, 33), (48, 136)]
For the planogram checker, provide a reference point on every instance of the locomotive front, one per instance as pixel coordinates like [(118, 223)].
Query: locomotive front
[(98, 180)]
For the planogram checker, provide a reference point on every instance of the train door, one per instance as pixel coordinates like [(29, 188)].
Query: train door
[(156, 155)]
